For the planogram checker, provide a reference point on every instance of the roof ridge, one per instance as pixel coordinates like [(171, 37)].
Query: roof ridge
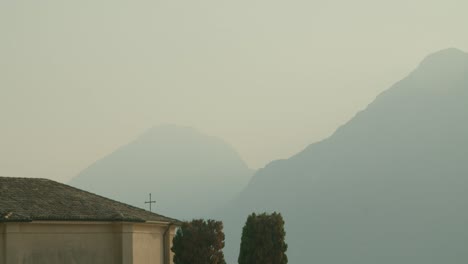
[(14, 177)]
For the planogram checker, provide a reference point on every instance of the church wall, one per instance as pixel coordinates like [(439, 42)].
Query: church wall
[(169, 238), (2, 244), (148, 244), (85, 242), (58, 243)]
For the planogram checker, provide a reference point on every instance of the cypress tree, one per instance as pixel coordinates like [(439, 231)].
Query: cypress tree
[(263, 240), (199, 242)]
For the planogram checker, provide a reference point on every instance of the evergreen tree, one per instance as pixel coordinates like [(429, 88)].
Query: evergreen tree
[(199, 242), (263, 240)]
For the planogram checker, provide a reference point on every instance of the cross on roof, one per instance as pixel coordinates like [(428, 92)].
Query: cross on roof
[(150, 202)]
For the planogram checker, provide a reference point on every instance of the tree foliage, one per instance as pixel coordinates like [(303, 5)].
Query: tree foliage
[(263, 240), (199, 242)]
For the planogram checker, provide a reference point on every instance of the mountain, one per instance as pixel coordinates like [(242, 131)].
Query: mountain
[(390, 186), (189, 174)]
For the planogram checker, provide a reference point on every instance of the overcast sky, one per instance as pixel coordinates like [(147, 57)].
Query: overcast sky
[(78, 79)]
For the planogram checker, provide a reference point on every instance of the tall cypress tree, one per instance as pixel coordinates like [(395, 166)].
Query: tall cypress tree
[(263, 240), (199, 242)]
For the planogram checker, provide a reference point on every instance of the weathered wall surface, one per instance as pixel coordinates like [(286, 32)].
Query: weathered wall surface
[(2, 244), (79, 242), (148, 244), (170, 239), (50, 243)]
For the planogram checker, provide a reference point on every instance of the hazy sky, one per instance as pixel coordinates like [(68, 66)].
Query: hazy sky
[(78, 79)]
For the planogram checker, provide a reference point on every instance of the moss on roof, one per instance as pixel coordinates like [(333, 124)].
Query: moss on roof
[(33, 199)]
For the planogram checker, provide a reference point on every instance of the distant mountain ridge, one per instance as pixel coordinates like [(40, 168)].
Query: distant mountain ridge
[(188, 173), (387, 187)]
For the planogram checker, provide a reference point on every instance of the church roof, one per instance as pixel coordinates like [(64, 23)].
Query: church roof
[(32, 199)]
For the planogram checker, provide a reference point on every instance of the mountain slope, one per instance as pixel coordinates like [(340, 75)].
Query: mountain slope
[(188, 173), (388, 187)]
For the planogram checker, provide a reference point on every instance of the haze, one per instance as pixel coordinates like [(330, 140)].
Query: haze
[(81, 78)]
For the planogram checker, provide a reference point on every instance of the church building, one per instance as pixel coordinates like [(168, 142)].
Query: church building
[(43, 221)]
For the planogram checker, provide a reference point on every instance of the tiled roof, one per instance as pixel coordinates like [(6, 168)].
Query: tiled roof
[(32, 199)]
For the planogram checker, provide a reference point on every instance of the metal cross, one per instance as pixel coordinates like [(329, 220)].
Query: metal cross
[(150, 201)]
